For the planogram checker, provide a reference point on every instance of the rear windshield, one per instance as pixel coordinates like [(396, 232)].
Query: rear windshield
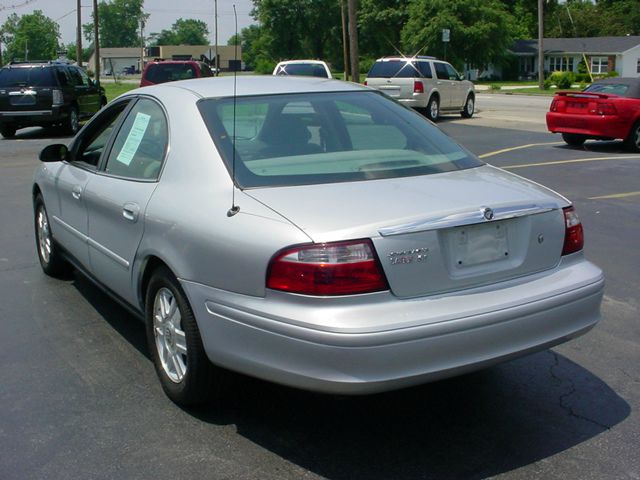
[(27, 77), (328, 137), (170, 72), (615, 88), (399, 68), (304, 69)]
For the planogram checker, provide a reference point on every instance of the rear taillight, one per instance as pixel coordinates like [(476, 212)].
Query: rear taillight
[(365, 83), (418, 87), (573, 233), (605, 109), (57, 97), (340, 268), (554, 105)]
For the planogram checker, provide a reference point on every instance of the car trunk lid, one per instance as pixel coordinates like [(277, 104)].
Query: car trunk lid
[(433, 233), (583, 103)]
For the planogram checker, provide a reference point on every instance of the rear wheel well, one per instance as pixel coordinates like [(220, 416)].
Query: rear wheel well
[(35, 191), (151, 265)]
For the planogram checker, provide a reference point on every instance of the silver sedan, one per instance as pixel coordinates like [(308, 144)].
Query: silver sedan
[(310, 232)]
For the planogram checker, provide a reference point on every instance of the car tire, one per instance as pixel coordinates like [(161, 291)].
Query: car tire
[(8, 131), (469, 107), (51, 261), (432, 112), (185, 372), (632, 142), (72, 123), (573, 139)]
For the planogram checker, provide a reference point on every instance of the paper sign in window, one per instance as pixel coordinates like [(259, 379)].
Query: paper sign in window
[(134, 138)]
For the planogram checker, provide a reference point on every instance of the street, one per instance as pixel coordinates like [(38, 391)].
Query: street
[(81, 399)]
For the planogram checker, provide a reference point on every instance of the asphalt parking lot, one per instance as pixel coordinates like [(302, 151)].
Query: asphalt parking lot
[(80, 397)]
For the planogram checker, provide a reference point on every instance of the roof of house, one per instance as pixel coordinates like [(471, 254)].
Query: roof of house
[(120, 52), (591, 45)]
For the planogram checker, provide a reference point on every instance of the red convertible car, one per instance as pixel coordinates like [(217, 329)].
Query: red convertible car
[(606, 110)]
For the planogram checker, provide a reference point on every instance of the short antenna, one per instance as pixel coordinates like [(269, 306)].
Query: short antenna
[(234, 208)]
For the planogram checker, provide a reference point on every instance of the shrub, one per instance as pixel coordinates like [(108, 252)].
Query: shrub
[(583, 85), (562, 80), (365, 65), (612, 74), (495, 87), (265, 66), (547, 84)]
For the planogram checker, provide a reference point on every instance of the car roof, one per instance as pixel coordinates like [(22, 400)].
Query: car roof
[(404, 59), (318, 62), (248, 85), (172, 62)]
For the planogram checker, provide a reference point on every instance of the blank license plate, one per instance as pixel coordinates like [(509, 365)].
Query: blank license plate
[(476, 244), (19, 100)]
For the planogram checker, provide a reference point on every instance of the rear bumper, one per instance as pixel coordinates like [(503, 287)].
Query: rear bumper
[(296, 341), (33, 117), (592, 126)]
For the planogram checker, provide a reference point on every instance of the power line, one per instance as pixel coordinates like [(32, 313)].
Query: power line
[(16, 5)]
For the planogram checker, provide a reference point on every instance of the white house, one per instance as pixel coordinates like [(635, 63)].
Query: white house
[(604, 54)]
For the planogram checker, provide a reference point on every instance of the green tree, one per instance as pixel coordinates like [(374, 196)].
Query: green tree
[(34, 34), (119, 24), (71, 52), (184, 32), (380, 23), (481, 32), (235, 39)]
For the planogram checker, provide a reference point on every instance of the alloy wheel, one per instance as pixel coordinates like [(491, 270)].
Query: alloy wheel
[(44, 235), (169, 336)]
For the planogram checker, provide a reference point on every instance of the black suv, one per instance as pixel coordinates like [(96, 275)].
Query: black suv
[(46, 94)]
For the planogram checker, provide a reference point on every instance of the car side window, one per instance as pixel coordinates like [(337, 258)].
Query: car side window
[(84, 77), (76, 79), (95, 138), (425, 69), (63, 76), (140, 146), (441, 71), (205, 70), (453, 74)]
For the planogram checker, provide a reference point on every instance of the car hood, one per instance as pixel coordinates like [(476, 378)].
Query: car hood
[(350, 210)]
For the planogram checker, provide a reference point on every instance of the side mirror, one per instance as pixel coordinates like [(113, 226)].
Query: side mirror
[(54, 153), (460, 77)]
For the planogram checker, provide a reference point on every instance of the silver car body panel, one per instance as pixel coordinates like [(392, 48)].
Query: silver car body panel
[(349, 344)]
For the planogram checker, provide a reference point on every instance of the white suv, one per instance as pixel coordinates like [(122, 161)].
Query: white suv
[(424, 83)]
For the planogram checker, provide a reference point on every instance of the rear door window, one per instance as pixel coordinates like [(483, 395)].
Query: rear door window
[(441, 71), (170, 72)]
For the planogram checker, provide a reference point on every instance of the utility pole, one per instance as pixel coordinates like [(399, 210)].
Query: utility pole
[(215, 38), (141, 44), (353, 40), (540, 44), (78, 35), (96, 40), (26, 49), (345, 47)]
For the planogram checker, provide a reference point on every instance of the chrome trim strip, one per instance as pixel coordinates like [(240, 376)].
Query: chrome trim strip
[(26, 114), (468, 218), (70, 229), (101, 248), (113, 256)]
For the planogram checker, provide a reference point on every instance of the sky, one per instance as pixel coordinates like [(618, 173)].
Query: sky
[(162, 14)]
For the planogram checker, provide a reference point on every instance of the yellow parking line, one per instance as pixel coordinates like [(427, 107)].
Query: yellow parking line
[(520, 147), (616, 195), (578, 160)]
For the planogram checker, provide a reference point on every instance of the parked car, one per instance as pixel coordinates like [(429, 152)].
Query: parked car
[(307, 68), (172, 70), (427, 84), (606, 110), (46, 94), (314, 234)]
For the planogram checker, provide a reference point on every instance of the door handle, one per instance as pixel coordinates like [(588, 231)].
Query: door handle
[(130, 212), (439, 83), (76, 192)]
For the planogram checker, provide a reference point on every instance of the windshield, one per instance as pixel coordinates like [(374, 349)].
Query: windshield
[(27, 77), (169, 72), (327, 137), (305, 69)]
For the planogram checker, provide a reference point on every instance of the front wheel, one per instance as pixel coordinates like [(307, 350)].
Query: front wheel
[(469, 107), (632, 142), (51, 261), (186, 375), (573, 139)]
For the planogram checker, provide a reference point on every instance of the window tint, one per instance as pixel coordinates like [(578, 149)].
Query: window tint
[(425, 69), (169, 72), (441, 70), (141, 143), (453, 74), (304, 69), (615, 88), (75, 77), (95, 139), (83, 76), (27, 77), (397, 69), (327, 137)]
